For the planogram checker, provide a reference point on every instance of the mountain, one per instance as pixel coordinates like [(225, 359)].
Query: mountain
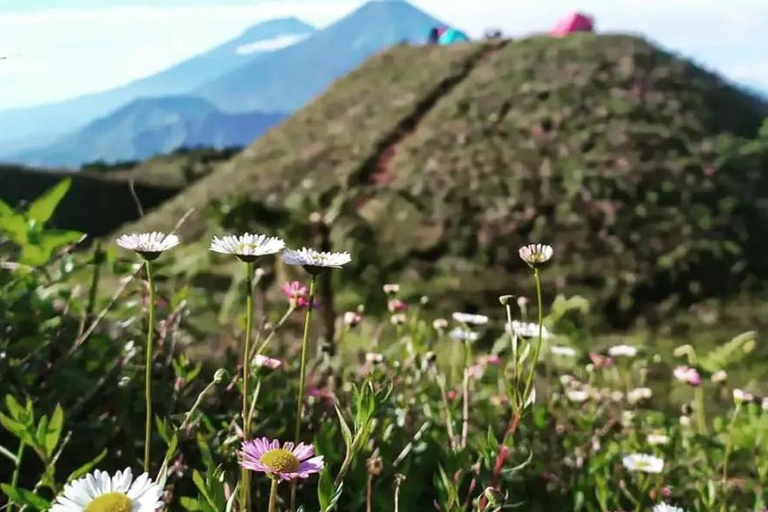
[(41, 125), (150, 126), (287, 79), (432, 165)]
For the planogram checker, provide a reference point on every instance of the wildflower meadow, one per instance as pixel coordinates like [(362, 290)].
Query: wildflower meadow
[(112, 405)]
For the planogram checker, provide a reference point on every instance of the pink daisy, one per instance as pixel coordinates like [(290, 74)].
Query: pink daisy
[(287, 463)]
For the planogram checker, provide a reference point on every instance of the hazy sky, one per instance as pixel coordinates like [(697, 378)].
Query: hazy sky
[(56, 49)]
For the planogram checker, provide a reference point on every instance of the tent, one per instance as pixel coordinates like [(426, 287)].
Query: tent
[(447, 35), (452, 35), (575, 22)]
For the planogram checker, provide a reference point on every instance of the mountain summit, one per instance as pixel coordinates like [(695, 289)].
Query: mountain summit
[(287, 79)]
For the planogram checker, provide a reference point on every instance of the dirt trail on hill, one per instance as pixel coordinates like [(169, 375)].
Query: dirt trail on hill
[(378, 169)]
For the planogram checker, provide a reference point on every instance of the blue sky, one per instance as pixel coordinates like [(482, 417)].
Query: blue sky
[(57, 49)]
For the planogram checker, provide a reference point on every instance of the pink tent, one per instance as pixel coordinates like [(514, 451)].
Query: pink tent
[(575, 22)]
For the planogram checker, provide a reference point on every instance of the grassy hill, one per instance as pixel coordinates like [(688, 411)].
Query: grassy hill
[(434, 164)]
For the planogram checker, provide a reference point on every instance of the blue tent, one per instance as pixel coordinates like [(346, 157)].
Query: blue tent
[(451, 36)]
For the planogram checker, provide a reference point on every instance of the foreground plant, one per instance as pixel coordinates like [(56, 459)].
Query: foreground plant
[(149, 246), (314, 263), (99, 492), (247, 247)]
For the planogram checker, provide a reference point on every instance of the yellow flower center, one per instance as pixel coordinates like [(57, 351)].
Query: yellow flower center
[(110, 502), (280, 461)]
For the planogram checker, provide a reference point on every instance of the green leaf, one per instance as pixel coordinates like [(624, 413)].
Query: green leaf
[(327, 494), (42, 432), (205, 450), (190, 504), (87, 467), (51, 240), (17, 429), (15, 408), (5, 210), (44, 206), (53, 434), (25, 497), (15, 227), (345, 432), (730, 353), (200, 484)]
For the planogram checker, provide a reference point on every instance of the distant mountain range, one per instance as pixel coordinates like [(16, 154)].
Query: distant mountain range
[(218, 98), (147, 127), (40, 125)]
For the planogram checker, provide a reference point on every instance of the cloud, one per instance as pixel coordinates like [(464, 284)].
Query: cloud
[(270, 45)]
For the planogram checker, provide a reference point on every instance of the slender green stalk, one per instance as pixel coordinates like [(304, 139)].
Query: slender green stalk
[(273, 496), (447, 412), (536, 349), (515, 354), (727, 456), (16, 471), (302, 375), (701, 418), (245, 497), (148, 365), (304, 350), (465, 394)]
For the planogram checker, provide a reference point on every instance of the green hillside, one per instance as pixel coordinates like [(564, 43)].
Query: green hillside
[(433, 164), (100, 198)]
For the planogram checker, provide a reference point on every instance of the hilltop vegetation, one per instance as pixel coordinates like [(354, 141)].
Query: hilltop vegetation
[(441, 160)]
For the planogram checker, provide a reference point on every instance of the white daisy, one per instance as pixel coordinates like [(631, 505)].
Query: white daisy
[(657, 439), (719, 376), (639, 394), (248, 246), (577, 396), (536, 254), (764, 404), (467, 318), (463, 334), (439, 324), (740, 396), (643, 462), (663, 507), (528, 330), (391, 288), (622, 351), (148, 245), (98, 492), (560, 350), (314, 261)]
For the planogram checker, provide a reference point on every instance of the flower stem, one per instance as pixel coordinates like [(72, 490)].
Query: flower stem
[(701, 418), (302, 374), (727, 456), (148, 365), (515, 355), (16, 471), (368, 493), (465, 396), (273, 495), (536, 349), (245, 498)]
